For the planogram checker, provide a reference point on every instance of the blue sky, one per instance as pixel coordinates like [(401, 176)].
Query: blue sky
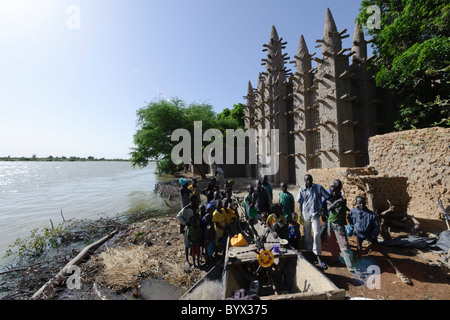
[(75, 92)]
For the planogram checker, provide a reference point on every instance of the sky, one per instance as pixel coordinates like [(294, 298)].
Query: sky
[(73, 73)]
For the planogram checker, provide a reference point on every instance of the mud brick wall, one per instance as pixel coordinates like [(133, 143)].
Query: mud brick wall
[(423, 157), (366, 182)]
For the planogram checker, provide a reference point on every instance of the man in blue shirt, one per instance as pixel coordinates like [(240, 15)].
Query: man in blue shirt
[(310, 199), (364, 223)]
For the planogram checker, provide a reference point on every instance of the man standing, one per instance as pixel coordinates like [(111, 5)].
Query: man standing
[(185, 193), (287, 201), (261, 198), (310, 199), (268, 187), (185, 217)]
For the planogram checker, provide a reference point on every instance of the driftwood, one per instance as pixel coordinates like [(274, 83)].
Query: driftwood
[(391, 209), (369, 193), (14, 270), (47, 288), (400, 275), (389, 219), (445, 216)]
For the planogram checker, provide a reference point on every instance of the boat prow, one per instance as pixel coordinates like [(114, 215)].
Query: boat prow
[(266, 268), (286, 275)]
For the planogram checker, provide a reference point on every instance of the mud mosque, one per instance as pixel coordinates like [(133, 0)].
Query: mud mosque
[(325, 110)]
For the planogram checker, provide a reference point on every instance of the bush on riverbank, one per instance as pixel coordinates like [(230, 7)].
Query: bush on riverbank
[(31, 262)]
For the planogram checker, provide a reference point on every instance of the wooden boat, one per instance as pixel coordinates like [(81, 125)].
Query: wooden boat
[(290, 276), (284, 275)]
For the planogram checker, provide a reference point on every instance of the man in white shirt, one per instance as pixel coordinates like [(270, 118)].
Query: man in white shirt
[(310, 199)]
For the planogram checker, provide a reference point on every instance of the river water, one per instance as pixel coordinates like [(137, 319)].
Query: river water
[(32, 193)]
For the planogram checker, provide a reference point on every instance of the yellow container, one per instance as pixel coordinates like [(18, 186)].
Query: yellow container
[(238, 241)]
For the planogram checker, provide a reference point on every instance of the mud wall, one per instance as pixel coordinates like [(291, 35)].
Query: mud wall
[(367, 182), (423, 157)]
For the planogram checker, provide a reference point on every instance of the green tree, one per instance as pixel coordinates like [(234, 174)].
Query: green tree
[(152, 140), (234, 118), (412, 50), (159, 119)]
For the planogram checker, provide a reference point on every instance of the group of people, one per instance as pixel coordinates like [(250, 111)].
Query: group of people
[(315, 204), (217, 219), (206, 227)]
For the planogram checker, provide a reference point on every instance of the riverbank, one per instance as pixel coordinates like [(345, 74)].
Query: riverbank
[(149, 247), (60, 159), (33, 262)]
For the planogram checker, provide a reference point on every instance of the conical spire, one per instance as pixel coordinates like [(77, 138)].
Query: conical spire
[(250, 89), (330, 25), (275, 62), (302, 51), (359, 45), (261, 82), (331, 38), (303, 63), (274, 34)]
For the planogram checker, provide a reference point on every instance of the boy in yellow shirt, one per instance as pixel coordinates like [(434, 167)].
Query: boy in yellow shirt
[(195, 189), (277, 222), (219, 221)]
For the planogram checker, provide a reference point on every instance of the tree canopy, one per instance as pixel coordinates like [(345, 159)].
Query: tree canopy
[(234, 117), (412, 50), (159, 119)]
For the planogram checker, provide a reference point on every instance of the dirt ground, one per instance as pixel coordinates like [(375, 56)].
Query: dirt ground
[(164, 259), (427, 281)]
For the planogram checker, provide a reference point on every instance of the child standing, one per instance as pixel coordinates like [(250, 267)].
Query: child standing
[(249, 204), (287, 201), (209, 240), (337, 208), (218, 218), (194, 234), (186, 217), (294, 232), (202, 214)]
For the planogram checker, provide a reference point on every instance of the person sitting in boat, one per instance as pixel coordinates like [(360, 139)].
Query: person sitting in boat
[(277, 222)]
